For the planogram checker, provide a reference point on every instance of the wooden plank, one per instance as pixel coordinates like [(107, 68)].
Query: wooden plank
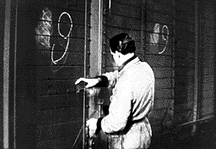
[(71, 58), (180, 25), (187, 3), (185, 6), (186, 18), (160, 6), (183, 71), (208, 64), (184, 81), (208, 71), (208, 79), (64, 4), (158, 60), (162, 83), (64, 142), (207, 107), (58, 116), (183, 117), (123, 22), (180, 52), (159, 17), (167, 2), (185, 44), (150, 27), (132, 3), (160, 49), (58, 101), (66, 72), (75, 44), (52, 132), (181, 108), (208, 94), (181, 61), (183, 95), (125, 10), (163, 94), (162, 72), (185, 35), (161, 103), (157, 115), (54, 87)]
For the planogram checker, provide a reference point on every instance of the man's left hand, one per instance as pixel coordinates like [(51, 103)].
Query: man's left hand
[(92, 126)]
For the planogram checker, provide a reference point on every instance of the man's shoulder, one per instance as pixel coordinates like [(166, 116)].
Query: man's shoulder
[(141, 67), (140, 71)]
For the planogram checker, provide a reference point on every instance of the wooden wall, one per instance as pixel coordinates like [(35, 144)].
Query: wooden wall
[(143, 20), (207, 59), (49, 112), (45, 110), (167, 37), (184, 61)]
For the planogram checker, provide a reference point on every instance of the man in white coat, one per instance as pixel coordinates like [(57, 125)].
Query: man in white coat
[(127, 124)]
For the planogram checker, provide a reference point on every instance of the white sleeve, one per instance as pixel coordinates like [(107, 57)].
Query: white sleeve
[(119, 110)]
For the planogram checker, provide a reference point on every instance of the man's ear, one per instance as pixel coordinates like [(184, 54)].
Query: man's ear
[(111, 52)]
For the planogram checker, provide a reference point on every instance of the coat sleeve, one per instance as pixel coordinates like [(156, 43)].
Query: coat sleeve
[(108, 79), (119, 110)]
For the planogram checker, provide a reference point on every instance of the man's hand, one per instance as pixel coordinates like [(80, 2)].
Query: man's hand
[(90, 82), (92, 126)]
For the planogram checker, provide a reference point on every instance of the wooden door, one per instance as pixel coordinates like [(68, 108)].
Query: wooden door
[(51, 46)]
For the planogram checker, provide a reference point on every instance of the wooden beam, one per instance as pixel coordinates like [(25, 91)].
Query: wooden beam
[(6, 71), (196, 74)]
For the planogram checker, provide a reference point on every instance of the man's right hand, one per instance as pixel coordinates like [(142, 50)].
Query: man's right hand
[(90, 82)]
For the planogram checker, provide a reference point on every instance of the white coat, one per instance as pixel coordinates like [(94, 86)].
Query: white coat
[(127, 123)]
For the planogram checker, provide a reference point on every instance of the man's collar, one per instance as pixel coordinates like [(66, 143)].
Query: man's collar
[(126, 62)]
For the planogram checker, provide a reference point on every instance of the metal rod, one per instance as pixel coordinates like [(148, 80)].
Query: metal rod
[(198, 120), (189, 123), (85, 67), (100, 36)]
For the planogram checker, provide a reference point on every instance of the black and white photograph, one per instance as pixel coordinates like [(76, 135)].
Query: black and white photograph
[(107, 74)]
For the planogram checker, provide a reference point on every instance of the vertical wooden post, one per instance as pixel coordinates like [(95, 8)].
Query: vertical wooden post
[(95, 59), (86, 66), (196, 74), (6, 75), (96, 36), (143, 9), (9, 75), (2, 25)]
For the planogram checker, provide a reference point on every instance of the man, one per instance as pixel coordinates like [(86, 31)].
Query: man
[(127, 124)]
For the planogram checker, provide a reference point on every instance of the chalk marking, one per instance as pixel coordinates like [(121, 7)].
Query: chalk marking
[(65, 37), (154, 37), (44, 28), (166, 39)]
